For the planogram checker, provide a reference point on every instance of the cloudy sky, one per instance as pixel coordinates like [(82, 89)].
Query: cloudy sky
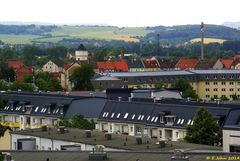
[(121, 12)]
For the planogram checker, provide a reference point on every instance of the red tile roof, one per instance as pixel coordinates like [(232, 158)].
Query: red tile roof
[(15, 64), (227, 63), (186, 63), (22, 72), (112, 66), (121, 66), (56, 74), (151, 64)]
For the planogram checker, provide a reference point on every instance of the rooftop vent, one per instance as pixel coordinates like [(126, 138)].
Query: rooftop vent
[(108, 136), (179, 155), (119, 99), (88, 133), (98, 153), (139, 140)]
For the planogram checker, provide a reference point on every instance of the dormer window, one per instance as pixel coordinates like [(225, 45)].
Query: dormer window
[(170, 119), (104, 114), (139, 117), (153, 118), (107, 114)]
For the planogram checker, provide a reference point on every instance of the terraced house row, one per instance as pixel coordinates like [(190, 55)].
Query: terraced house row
[(207, 83)]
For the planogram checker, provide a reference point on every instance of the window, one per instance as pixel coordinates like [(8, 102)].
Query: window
[(207, 96), (153, 118), (161, 119), (231, 89), (231, 76), (106, 114), (215, 83), (42, 147), (49, 148), (148, 118), (207, 77), (238, 89), (118, 115), (192, 123), (215, 96), (142, 117), (112, 115), (179, 120), (231, 83), (215, 89), (156, 119), (177, 134), (223, 76), (215, 77), (207, 89), (207, 83), (138, 129), (133, 116), (223, 83), (102, 115), (125, 116), (160, 133), (182, 121), (139, 117), (189, 122)]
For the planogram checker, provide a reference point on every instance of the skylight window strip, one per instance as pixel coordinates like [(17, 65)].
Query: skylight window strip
[(126, 115), (192, 122), (107, 114), (182, 121), (142, 117), (152, 119), (118, 115), (104, 114), (112, 115), (36, 109), (179, 120), (156, 119), (133, 116), (148, 118), (189, 122), (139, 117)]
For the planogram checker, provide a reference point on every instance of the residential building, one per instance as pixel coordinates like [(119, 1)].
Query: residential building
[(166, 64), (5, 141), (206, 83), (53, 66), (29, 110), (115, 66), (81, 54), (151, 65), (186, 63), (22, 72), (135, 66), (164, 120), (66, 73), (223, 63), (231, 138), (15, 64)]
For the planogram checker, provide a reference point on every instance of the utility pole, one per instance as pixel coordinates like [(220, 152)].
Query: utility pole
[(202, 40)]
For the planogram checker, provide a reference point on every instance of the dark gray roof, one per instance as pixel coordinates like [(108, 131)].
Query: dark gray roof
[(135, 64), (52, 105), (59, 63), (148, 113)]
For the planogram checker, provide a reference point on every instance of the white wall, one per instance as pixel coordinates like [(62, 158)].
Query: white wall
[(228, 140)]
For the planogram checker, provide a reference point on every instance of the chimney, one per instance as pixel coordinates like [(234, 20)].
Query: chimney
[(129, 99), (119, 99)]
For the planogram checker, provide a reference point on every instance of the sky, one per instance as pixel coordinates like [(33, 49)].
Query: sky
[(132, 13)]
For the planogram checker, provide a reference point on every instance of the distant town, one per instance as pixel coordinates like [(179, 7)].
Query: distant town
[(140, 99)]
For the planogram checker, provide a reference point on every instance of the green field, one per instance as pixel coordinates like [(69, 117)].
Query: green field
[(84, 32), (208, 40)]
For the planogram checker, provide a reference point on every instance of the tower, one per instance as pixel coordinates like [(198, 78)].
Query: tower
[(202, 40)]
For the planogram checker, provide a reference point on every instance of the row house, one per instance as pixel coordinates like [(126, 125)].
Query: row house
[(161, 121), (26, 111)]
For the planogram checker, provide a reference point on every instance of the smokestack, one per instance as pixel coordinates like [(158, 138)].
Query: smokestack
[(202, 40)]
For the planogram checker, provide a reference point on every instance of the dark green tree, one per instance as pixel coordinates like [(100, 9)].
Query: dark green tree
[(186, 88), (22, 86), (158, 85), (78, 121), (6, 73), (3, 85), (205, 129), (81, 77), (57, 52), (28, 54)]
